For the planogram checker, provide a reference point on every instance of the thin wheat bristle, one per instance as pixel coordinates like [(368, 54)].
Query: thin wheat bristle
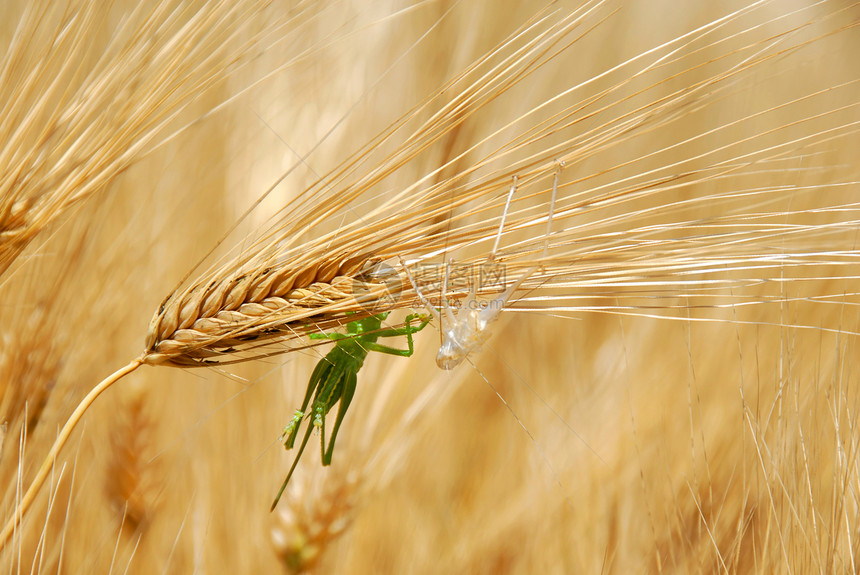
[(274, 288)]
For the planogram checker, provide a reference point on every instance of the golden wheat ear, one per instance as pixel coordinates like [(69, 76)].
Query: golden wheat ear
[(235, 317), (79, 111)]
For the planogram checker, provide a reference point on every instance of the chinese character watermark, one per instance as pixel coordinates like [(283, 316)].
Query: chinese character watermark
[(379, 286)]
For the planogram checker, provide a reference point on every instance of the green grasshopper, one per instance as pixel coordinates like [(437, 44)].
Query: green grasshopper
[(333, 379)]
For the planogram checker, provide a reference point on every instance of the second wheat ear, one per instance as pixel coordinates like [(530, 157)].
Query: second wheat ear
[(334, 380)]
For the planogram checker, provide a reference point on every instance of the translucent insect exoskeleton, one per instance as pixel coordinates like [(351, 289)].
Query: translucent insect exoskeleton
[(465, 332)]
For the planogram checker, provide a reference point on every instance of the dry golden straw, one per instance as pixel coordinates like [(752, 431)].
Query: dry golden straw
[(664, 209)]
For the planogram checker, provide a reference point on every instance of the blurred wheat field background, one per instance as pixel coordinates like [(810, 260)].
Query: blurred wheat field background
[(670, 427)]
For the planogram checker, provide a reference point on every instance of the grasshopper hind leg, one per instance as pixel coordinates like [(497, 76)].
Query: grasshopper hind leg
[(292, 468), (345, 399)]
